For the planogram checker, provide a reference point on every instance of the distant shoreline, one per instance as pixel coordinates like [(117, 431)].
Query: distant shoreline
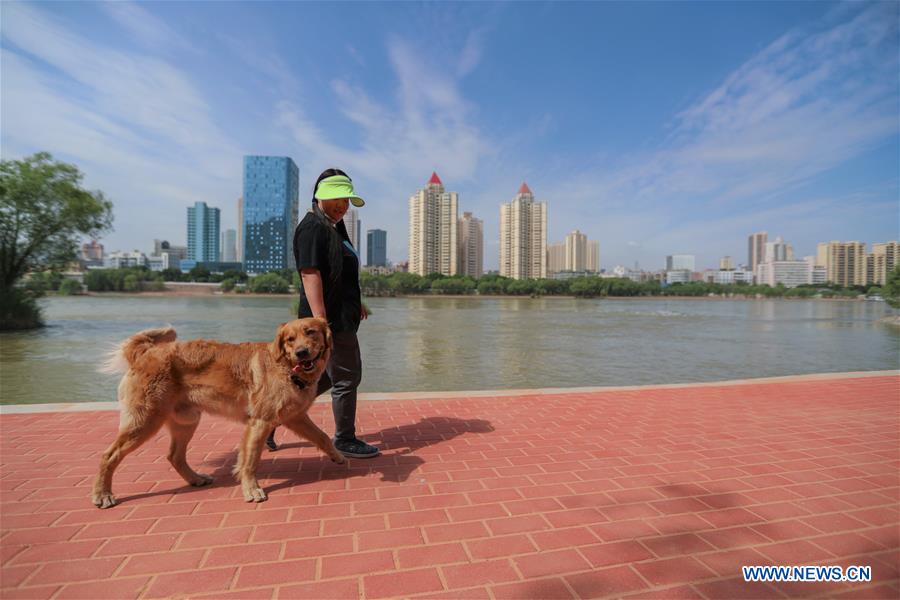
[(293, 295)]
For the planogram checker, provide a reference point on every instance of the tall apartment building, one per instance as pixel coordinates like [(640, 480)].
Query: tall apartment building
[(556, 258), (576, 251), (523, 237), (228, 249), (756, 249), (725, 264), (239, 242), (376, 248), (593, 257), (885, 257), (203, 233), (433, 222), (471, 246), (271, 195), (354, 225), (844, 262)]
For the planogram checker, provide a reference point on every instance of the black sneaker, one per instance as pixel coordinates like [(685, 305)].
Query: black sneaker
[(356, 448), (270, 442)]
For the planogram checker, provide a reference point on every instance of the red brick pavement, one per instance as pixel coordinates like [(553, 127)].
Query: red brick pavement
[(643, 493)]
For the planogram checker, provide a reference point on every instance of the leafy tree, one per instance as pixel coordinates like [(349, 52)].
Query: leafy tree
[(234, 274), (404, 283), (227, 285), (453, 285), (69, 287), (44, 213), (491, 287), (132, 283), (891, 290), (269, 283), (172, 274), (199, 274)]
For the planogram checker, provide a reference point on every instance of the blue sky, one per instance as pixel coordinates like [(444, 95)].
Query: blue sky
[(656, 128)]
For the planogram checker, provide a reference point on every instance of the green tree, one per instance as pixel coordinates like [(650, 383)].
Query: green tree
[(199, 274), (891, 290), (69, 287), (172, 274), (44, 213), (227, 285), (269, 283), (237, 276), (132, 283)]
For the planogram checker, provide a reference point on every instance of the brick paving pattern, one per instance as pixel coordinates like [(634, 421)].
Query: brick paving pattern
[(636, 493)]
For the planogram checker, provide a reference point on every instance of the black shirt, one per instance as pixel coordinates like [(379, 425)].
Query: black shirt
[(343, 301)]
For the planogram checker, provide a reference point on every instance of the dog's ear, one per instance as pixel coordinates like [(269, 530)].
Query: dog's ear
[(277, 346), (329, 342)]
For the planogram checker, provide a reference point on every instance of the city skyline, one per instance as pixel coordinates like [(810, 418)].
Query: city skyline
[(714, 120)]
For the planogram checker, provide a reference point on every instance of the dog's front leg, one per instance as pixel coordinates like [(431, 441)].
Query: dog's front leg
[(303, 426), (248, 459)]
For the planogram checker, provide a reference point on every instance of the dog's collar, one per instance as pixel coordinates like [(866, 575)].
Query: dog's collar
[(299, 382)]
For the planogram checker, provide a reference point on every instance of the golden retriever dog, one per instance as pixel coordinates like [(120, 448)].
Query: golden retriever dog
[(172, 383)]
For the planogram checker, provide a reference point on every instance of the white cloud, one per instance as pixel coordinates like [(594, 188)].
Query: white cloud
[(137, 126), (813, 99), (144, 26)]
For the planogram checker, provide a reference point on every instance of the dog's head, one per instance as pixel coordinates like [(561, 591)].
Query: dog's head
[(305, 344)]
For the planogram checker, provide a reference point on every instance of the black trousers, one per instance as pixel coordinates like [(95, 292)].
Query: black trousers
[(342, 376)]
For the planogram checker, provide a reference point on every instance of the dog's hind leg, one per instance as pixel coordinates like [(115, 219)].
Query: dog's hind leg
[(132, 433), (305, 428), (182, 424), (248, 459)]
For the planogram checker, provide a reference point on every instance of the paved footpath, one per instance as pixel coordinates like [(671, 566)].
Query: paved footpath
[(650, 492)]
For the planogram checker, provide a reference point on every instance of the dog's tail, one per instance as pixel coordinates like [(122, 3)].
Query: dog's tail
[(129, 351)]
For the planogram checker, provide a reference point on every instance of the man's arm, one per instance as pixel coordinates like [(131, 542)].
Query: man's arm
[(312, 286)]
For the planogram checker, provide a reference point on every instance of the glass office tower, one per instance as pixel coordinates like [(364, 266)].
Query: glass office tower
[(376, 248), (202, 233), (271, 212)]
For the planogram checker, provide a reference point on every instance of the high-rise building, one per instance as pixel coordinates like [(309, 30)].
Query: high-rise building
[(353, 224), (777, 251), (523, 237), (680, 262), (576, 251), (376, 248), (725, 264), (433, 222), (885, 257), (203, 233), (556, 258), (593, 257), (239, 242), (471, 246), (789, 273), (229, 246), (844, 262), (271, 195), (817, 273), (756, 248), (92, 252)]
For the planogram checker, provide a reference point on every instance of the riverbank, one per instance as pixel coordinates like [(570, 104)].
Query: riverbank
[(664, 492), (219, 294)]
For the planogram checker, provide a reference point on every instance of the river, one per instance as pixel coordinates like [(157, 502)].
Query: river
[(443, 344)]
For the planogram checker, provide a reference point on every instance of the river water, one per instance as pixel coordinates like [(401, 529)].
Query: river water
[(443, 344)]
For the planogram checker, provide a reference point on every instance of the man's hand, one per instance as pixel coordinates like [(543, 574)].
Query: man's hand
[(363, 311)]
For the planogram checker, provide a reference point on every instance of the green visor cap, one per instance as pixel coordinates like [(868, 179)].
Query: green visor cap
[(337, 186)]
